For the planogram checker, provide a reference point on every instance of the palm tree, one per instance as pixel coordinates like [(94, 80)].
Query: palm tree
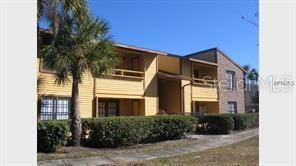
[(251, 74), (246, 68), (79, 46), (52, 11)]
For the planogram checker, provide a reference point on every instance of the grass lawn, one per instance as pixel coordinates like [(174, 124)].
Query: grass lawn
[(245, 153), (76, 152)]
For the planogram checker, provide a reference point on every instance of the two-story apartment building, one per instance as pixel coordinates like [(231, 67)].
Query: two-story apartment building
[(149, 82)]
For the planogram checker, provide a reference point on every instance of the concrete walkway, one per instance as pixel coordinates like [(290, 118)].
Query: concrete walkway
[(205, 142)]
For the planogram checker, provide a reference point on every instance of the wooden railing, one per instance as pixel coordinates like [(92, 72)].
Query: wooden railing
[(128, 73), (205, 82)]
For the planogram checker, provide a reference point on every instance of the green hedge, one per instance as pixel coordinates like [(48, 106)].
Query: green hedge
[(244, 121), (214, 124), (115, 131), (123, 131), (52, 134)]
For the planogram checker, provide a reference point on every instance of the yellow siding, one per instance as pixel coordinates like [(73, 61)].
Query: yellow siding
[(120, 86), (204, 93), (151, 96), (86, 95), (151, 104), (47, 87), (169, 64)]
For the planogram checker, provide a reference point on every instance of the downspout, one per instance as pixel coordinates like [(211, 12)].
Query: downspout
[(182, 98)]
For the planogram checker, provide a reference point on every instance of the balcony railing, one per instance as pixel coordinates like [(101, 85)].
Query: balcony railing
[(205, 82), (127, 73)]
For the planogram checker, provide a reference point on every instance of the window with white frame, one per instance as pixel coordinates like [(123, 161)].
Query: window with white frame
[(232, 107), (52, 108), (230, 76)]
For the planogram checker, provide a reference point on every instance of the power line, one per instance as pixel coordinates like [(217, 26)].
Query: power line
[(249, 21)]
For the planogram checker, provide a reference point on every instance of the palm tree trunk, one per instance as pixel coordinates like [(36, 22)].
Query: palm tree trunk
[(75, 112)]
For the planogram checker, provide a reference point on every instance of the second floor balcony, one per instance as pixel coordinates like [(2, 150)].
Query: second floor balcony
[(204, 83), (126, 80)]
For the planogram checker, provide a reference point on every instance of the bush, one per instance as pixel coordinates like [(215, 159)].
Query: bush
[(52, 134), (244, 121), (123, 131), (215, 124)]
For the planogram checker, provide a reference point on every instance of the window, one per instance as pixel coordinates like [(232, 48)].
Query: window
[(230, 75), (55, 108), (232, 107), (108, 108)]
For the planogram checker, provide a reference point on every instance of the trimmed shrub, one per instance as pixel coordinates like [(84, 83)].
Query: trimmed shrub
[(170, 127), (244, 121), (52, 134), (123, 131), (215, 124)]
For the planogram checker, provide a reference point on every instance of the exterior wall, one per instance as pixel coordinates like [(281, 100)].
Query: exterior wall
[(229, 95), (169, 96), (169, 64), (151, 96), (47, 87), (187, 96), (120, 88)]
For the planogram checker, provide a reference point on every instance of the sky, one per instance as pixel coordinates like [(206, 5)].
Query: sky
[(184, 26)]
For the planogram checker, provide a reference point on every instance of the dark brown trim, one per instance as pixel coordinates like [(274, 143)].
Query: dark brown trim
[(172, 55), (53, 95), (130, 47), (199, 52), (180, 67), (181, 93), (202, 62), (169, 76)]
